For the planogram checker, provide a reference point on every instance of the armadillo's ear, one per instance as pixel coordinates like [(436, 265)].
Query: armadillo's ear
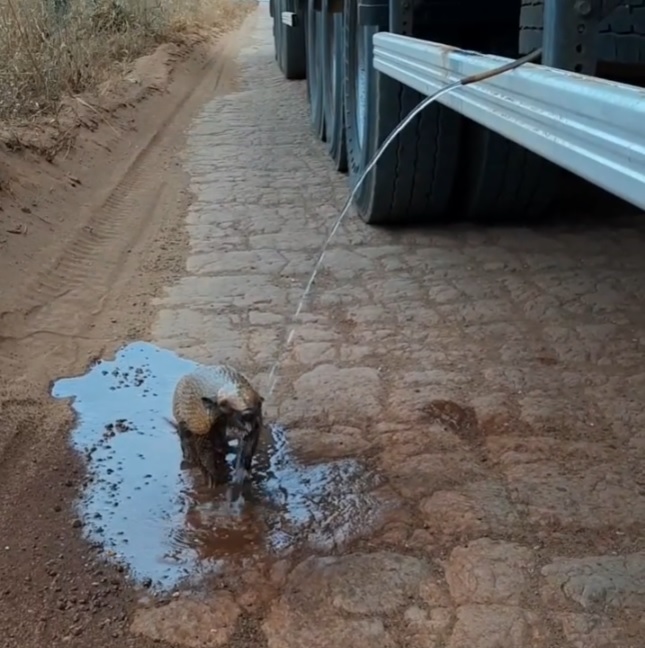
[(211, 406), (261, 400)]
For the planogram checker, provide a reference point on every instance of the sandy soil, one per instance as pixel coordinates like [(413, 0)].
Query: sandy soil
[(86, 241)]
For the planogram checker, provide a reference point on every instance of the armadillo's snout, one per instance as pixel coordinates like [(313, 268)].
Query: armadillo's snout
[(247, 422)]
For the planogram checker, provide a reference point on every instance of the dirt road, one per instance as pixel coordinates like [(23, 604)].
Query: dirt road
[(458, 438)]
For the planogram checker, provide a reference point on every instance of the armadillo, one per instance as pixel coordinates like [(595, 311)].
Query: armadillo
[(207, 403)]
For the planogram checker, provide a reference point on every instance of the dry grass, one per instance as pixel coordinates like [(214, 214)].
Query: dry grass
[(54, 48)]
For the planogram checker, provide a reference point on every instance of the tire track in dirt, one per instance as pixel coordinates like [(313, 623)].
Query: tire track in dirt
[(63, 299), (81, 304)]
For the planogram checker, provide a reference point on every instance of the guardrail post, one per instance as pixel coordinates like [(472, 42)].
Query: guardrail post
[(570, 32)]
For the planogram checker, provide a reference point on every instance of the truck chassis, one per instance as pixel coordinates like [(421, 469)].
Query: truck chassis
[(500, 148)]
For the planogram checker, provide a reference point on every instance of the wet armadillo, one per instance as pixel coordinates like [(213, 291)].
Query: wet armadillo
[(207, 403)]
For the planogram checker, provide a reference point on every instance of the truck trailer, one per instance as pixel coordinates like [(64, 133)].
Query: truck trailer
[(500, 148)]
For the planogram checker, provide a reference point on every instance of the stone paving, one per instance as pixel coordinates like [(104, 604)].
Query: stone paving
[(494, 378)]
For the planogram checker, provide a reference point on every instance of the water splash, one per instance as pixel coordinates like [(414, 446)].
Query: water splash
[(291, 327), (161, 521)]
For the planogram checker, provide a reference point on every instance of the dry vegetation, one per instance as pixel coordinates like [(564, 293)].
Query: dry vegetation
[(55, 48)]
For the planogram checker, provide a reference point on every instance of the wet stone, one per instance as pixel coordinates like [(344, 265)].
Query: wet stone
[(488, 571), (599, 581), (185, 622)]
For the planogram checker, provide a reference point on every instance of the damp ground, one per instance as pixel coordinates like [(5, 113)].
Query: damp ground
[(160, 520)]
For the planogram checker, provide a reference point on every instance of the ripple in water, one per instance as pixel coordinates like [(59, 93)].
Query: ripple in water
[(158, 519)]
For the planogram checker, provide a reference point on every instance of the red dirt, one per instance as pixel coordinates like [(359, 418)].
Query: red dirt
[(91, 212)]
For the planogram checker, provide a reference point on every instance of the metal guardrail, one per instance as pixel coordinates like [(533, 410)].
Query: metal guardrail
[(592, 127)]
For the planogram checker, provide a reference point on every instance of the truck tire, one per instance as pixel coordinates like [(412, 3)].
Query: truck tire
[(621, 36), (313, 34), (332, 81), (502, 180), (415, 176), (289, 43)]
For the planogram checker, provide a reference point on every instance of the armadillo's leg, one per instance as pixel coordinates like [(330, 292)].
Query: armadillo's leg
[(211, 460), (203, 449), (217, 468), (263, 457), (219, 442), (219, 438), (247, 451), (187, 446), (249, 447)]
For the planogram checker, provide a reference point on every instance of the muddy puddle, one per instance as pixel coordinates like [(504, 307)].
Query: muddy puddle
[(159, 520)]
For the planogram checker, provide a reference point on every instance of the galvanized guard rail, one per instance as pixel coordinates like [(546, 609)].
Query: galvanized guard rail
[(592, 127)]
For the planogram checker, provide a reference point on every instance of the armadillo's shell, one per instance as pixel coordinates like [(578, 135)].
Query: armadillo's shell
[(215, 382)]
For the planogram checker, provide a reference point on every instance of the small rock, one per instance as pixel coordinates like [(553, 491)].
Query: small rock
[(323, 595), (602, 581), (185, 622), (487, 571), (288, 628), (495, 626)]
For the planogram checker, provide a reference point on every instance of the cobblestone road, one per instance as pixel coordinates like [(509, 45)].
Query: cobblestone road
[(492, 379)]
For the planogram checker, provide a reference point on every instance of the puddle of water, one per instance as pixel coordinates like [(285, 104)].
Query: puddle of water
[(160, 520)]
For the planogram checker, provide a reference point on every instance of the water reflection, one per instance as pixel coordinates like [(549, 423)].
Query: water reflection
[(159, 520)]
